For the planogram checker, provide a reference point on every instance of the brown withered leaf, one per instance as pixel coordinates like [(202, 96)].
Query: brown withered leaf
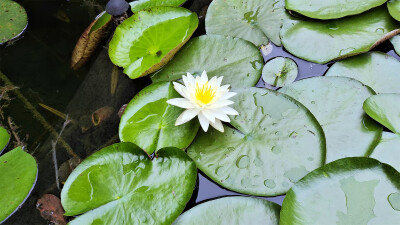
[(50, 209)]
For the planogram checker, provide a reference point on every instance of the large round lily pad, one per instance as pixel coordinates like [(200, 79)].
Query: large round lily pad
[(4, 138), (385, 109), (147, 40), (280, 71), (276, 141), (252, 20), (348, 191), (18, 173), (13, 20), (149, 121), (324, 41), (337, 103), (394, 8), (238, 61), (120, 184), (139, 5), (331, 9), (396, 43), (232, 211), (377, 70), (388, 150)]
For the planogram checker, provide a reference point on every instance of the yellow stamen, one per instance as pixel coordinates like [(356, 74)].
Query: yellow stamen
[(205, 93)]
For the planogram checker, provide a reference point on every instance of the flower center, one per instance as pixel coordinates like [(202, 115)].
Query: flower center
[(205, 93)]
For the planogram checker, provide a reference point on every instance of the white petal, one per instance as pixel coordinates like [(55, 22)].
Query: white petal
[(182, 90), (220, 103), (213, 82), (221, 115), (228, 95), (209, 115), (218, 125), (224, 88), (186, 81), (203, 122), (228, 110), (204, 77), (186, 116), (181, 102)]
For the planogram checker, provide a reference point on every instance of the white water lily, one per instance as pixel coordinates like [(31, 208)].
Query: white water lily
[(204, 98)]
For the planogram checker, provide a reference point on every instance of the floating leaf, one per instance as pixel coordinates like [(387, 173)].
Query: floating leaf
[(252, 20), (149, 121), (396, 43), (4, 138), (394, 8), (150, 38), (237, 60), (18, 173), (337, 102), (347, 191), (280, 71), (385, 109), (388, 150), (120, 184), (324, 41), (276, 142), (13, 20), (377, 70), (232, 210), (90, 39), (331, 9), (140, 5)]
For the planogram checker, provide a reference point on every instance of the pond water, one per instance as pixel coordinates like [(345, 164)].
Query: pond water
[(39, 65)]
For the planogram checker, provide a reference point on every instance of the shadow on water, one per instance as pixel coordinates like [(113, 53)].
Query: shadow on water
[(39, 64)]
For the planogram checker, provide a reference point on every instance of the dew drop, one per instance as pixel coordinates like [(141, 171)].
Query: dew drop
[(394, 200), (380, 31), (276, 149), (258, 162), (219, 170), (269, 183), (243, 162)]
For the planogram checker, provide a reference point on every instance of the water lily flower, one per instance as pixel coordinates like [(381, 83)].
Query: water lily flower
[(204, 98)]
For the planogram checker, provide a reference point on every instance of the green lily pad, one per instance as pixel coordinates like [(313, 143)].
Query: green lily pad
[(253, 20), (276, 142), (13, 20), (232, 210), (337, 103), (280, 71), (120, 184), (394, 8), (377, 70), (237, 60), (385, 109), (388, 150), (396, 43), (149, 121), (4, 138), (331, 9), (146, 41), (139, 5), (18, 174), (347, 192), (324, 41)]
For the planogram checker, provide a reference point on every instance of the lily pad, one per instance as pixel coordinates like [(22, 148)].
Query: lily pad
[(388, 150), (274, 143), (4, 139), (232, 210), (385, 109), (238, 61), (337, 103), (396, 43), (331, 9), (149, 121), (139, 5), (347, 191), (253, 20), (146, 41), (377, 70), (18, 174), (394, 8), (280, 71), (120, 184), (324, 41), (13, 20)]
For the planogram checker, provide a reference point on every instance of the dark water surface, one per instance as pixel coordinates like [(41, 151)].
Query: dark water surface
[(39, 64)]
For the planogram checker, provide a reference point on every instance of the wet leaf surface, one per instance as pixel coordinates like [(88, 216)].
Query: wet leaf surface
[(280, 71), (385, 109), (139, 5)]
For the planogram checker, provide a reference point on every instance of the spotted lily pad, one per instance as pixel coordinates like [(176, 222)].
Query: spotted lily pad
[(139, 5), (324, 41), (149, 121), (394, 8), (385, 109), (120, 184), (150, 38), (238, 61), (388, 150), (18, 174), (4, 138), (377, 70), (13, 20), (331, 9), (275, 142), (280, 71), (232, 210), (347, 191), (337, 103), (253, 20)]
